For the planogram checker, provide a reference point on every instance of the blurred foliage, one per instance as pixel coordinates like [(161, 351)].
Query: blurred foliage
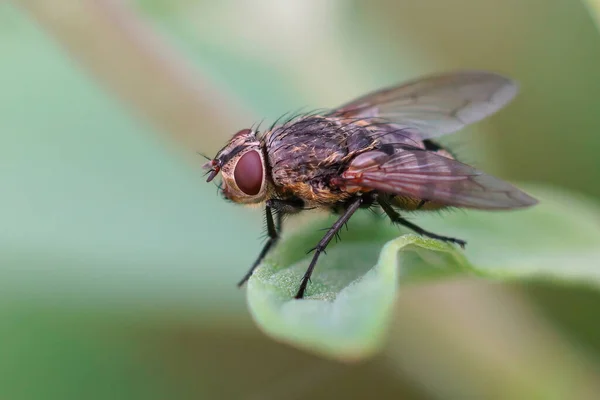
[(118, 263), (349, 303)]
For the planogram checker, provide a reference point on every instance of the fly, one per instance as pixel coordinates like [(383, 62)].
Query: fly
[(378, 151)]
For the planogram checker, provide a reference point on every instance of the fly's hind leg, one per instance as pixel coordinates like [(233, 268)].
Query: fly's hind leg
[(397, 219)]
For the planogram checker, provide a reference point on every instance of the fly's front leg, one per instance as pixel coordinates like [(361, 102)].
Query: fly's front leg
[(397, 219), (351, 209), (280, 207)]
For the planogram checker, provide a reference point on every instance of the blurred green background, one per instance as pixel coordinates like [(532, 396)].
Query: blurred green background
[(118, 263)]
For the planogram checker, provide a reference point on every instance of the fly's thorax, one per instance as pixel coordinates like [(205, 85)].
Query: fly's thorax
[(305, 149), (243, 170)]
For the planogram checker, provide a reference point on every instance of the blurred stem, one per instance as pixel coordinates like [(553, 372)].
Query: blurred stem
[(593, 7), (123, 52), (472, 340)]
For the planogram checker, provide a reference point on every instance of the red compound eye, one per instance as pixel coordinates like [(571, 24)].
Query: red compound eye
[(242, 132), (249, 173)]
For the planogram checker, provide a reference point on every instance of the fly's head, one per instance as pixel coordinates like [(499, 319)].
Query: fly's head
[(242, 167)]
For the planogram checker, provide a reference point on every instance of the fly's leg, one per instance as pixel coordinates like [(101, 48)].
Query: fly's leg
[(397, 219), (337, 226), (281, 207), (273, 232)]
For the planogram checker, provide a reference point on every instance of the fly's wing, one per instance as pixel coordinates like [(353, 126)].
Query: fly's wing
[(428, 176), (437, 104)]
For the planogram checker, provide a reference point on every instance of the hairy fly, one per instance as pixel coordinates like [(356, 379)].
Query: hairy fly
[(376, 151)]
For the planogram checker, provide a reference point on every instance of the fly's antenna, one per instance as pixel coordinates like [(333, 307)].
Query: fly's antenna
[(205, 156)]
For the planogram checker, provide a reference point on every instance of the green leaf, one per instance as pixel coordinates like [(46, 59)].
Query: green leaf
[(349, 302)]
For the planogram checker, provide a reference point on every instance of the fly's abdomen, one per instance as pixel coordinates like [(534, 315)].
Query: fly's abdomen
[(409, 203)]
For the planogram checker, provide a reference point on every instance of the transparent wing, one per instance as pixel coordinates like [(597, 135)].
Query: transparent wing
[(429, 176), (437, 104)]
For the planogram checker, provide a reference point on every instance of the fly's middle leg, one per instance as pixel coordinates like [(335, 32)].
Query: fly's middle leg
[(397, 219), (337, 226)]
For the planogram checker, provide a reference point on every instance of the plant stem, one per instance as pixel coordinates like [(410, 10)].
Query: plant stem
[(128, 58)]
